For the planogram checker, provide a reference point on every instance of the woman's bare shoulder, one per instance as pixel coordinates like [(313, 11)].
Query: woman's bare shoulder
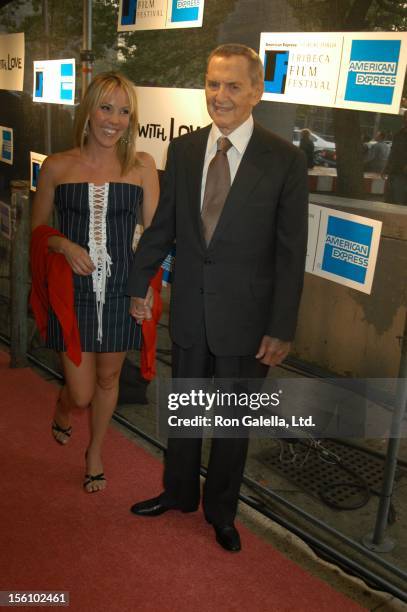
[(143, 169), (145, 159), (58, 161), (57, 165)]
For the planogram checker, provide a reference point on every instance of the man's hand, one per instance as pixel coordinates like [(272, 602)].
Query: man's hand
[(141, 308), (272, 351)]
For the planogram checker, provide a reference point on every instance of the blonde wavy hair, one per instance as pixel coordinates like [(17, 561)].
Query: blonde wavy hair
[(99, 89)]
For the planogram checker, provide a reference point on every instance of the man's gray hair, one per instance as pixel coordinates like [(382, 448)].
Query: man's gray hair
[(255, 65)]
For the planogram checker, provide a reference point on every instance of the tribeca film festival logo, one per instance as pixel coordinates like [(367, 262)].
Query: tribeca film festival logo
[(133, 9), (275, 71), (218, 400), (182, 10), (372, 71), (347, 249)]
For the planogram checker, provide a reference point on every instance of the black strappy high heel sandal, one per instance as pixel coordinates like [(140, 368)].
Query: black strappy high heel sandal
[(56, 429), (89, 478)]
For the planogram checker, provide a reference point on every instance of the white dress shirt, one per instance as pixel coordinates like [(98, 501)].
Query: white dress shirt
[(239, 138)]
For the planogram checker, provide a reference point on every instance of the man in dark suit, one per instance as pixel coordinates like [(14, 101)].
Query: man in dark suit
[(234, 198)]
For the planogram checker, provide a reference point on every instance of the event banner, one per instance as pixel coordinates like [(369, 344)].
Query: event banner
[(159, 14), (6, 145), (342, 247), (54, 81), (166, 112), (12, 61), (36, 161), (355, 70)]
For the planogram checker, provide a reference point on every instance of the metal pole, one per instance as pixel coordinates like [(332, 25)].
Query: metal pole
[(47, 123), (87, 57), (19, 272), (377, 541)]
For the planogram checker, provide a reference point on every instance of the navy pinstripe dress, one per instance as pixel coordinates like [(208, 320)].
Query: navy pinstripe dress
[(118, 329)]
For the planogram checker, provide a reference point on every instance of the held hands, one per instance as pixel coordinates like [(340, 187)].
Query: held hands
[(273, 351), (78, 258), (141, 308)]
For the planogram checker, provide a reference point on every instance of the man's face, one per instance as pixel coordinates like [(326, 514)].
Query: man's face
[(230, 94)]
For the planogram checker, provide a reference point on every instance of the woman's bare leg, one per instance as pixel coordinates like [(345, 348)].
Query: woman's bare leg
[(78, 391), (108, 368), (61, 424)]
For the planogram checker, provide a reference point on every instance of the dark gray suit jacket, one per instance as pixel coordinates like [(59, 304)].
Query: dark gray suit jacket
[(248, 282)]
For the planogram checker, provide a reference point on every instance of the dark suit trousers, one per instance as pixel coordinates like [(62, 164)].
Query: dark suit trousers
[(227, 456)]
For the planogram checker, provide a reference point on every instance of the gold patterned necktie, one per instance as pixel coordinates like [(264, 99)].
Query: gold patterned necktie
[(216, 188)]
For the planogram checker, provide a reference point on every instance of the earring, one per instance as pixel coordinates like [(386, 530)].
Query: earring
[(86, 128), (125, 139)]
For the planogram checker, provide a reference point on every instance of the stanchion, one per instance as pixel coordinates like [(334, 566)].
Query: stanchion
[(87, 55), (19, 256), (377, 541)]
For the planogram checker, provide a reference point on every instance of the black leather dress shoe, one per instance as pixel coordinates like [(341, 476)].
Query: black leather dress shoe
[(154, 507), (228, 537), (149, 507)]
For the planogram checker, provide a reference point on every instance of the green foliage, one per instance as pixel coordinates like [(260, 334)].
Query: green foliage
[(65, 25), (389, 15), (320, 15), (174, 58), (337, 15)]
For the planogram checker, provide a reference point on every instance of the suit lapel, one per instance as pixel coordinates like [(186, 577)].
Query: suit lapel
[(195, 153), (247, 176)]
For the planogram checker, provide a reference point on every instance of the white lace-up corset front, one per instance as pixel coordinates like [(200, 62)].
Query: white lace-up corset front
[(98, 200)]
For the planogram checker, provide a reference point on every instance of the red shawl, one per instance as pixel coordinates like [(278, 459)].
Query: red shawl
[(147, 359), (52, 286)]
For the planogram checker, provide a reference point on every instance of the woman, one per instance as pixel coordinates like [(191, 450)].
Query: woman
[(98, 188)]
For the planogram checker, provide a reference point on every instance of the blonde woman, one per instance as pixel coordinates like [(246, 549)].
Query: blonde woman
[(99, 189)]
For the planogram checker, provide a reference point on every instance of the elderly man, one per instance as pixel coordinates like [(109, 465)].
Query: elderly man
[(235, 200)]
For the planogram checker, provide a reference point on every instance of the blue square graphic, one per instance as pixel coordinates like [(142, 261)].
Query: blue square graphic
[(185, 11), (372, 71), (6, 148), (66, 91), (129, 12), (39, 84), (275, 71), (36, 170), (66, 70), (347, 249)]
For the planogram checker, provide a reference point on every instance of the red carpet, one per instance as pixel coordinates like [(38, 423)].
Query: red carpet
[(56, 537)]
